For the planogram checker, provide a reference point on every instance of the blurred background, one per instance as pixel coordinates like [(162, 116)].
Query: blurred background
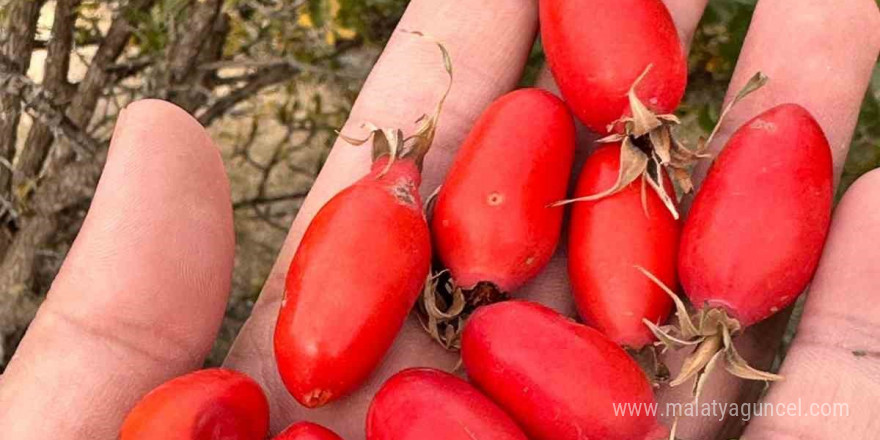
[(271, 79)]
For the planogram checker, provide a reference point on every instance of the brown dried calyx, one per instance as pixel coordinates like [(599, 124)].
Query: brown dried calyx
[(444, 307), (649, 361), (710, 332), (391, 141), (648, 149)]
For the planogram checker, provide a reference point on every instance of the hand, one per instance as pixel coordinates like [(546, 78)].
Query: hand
[(141, 294)]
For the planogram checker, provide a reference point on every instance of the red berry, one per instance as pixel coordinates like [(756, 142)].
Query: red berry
[(492, 221), (306, 431), (597, 48), (606, 239), (356, 274), (756, 229), (427, 404), (202, 405), (559, 379)]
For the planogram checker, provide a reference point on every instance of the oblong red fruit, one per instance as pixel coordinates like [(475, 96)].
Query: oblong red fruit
[(356, 274), (203, 405), (559, 379), (606, 239), (597, 48), (306, 431), (428, 404), (492, 221), (757, 226)]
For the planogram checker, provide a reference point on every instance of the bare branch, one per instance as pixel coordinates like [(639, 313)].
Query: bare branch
[(82, 107), (290, 62), (38, 102), (192, 39), (183, 53), (91, 40), (57, 65), (16, 44), (258, 81), (66, 188), (60, 191), (211, 52), (130, 68)]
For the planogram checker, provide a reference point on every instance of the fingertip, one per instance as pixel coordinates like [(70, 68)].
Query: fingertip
[(151, 110), (163, 173), (157, 126)]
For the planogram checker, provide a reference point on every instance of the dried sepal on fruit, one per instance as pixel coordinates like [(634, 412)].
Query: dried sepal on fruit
[(651, 364), (441, 311), (391, 142), (386, 141), (444, 307), (710, 332), (648, 148), (441, 307)]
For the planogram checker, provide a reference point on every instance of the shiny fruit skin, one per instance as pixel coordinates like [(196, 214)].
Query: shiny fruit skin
[(202, 405), (306, 431), (558, 379), (606, 239), (492, 221), (596, 49), (356, 274), (428, 404), (756, 229)]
